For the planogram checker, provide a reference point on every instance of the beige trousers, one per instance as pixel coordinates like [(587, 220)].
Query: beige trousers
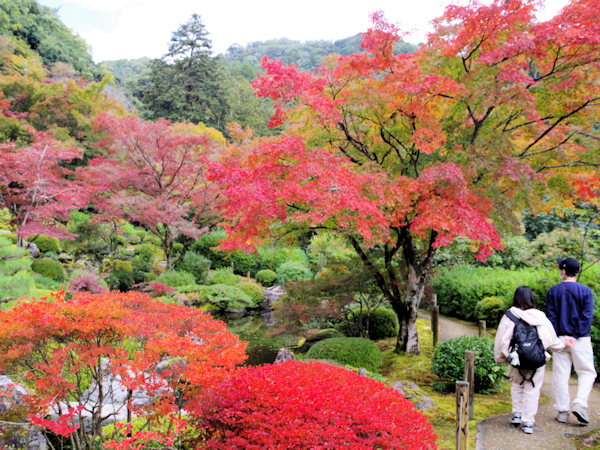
[(526, 397)]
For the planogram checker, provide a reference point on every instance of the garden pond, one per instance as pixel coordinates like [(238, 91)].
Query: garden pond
[(253, 329)]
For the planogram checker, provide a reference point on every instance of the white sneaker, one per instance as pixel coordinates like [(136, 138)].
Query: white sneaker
[(528, 428), (516, 420)]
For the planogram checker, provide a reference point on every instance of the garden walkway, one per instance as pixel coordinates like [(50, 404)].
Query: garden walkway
[(496, 433)]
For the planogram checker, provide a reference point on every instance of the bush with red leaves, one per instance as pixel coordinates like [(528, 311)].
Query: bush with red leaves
[(296, 405)]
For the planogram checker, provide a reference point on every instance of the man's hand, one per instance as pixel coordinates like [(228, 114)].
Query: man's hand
[(569, 341)]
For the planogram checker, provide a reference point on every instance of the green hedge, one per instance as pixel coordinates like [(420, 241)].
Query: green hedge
[(45, 244), (224, 296), (48, 268), (253, 291), (223, 276), (175, 278), (294, 271), (383, 323), (448, 362), (355, 352), (266, 277)]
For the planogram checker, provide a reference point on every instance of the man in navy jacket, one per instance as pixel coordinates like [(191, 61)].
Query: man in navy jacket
[(570, 308)]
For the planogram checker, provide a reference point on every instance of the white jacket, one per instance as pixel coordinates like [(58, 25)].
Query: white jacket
[(533, 317)]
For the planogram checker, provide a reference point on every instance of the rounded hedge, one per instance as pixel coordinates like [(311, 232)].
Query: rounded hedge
[(294, 271), (327, 333), (448, 362), (175, 278), (223, 276), (488, 309), (383, 323), (266, 277), (195, 264), (355, 352), (45, 244), (253, 291), (49, 268)]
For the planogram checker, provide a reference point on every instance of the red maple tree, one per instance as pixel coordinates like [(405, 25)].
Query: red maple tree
[(35, 186), (402, 153), (154, 176)]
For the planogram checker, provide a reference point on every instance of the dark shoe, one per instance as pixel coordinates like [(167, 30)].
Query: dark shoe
[(581, 413), (516, 420), (563, 416), (528, 428)]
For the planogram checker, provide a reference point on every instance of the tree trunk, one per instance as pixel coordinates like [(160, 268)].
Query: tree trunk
[(407, 311)]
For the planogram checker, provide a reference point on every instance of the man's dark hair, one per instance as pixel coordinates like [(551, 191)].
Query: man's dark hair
[(524, 298)]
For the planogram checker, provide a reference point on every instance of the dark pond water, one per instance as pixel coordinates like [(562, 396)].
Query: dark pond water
[(260, 349)]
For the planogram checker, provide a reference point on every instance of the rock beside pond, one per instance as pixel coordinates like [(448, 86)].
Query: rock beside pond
[(235, 312), (284, 355), (413, 393), (19, 434)]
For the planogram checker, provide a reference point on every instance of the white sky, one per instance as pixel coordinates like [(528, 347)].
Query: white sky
[(117, 29)]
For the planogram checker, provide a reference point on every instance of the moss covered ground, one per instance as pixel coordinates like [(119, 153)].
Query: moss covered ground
[(418, 370)]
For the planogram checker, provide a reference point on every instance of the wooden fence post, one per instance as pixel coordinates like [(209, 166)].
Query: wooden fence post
[(470, 378), (435, 324), (482, 328), (433, 300), (462, 415)]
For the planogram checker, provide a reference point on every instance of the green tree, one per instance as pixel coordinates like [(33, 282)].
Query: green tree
[(186, 83)]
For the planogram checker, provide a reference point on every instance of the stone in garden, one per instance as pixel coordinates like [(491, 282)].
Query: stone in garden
[(413, 393), (235, 312), (284, 355), (21, 435), (33, 250)]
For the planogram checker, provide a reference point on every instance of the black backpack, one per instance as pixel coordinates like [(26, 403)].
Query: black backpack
[(528, 345)]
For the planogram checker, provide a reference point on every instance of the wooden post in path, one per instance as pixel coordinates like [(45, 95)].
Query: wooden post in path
[(470, 378), (435, 324), (462, 415), (433, 300), (482, 328)]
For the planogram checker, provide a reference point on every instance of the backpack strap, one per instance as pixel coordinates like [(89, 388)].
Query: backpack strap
[(511, 316)]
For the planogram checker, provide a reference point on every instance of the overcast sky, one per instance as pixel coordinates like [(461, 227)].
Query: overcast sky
[(117, 29)]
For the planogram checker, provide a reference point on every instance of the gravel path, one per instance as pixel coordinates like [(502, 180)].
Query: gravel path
[(496, 433)]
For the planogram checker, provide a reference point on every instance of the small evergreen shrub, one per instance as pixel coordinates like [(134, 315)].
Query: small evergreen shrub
[(253, 291), (272, 258), (139, 233), (154, 240), (383, 323), (49, 268), (46, 244), (224, 296), (195, 264), (355, 352), (177, 247), (145, 252), (266, 277), (448, 362), (327, 333), (120, 280), (149, 276), (223, 276), (293, 271), (259, 407), (133, 239), (488, 309), (13, 238), (122, 241), (125, 266), (176, 278)]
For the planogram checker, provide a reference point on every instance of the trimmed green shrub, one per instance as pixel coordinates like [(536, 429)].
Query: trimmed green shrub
[(145, 252), (224, 296), (122, 241), (125, 266), (150, 276), (223, 276), (294, 271), (383, 323), (46, 244), (448, 362), (271, 258), (176, 278), (120, 280), (355, 352), (195, 264), (139, 233), (208, 244), (488, 309), (253, 291), (243, 263), (177, 247), (327, 333), (266, 277), (48, 268), (154, 240), (133, 239)]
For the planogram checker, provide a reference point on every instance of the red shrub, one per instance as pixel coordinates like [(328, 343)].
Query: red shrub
[(311, 405)]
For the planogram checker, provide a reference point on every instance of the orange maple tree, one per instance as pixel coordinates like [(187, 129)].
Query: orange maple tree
[(403, 153), (79, 356)]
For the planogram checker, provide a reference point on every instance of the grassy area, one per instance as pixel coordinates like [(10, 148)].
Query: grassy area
[(418, 370)]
